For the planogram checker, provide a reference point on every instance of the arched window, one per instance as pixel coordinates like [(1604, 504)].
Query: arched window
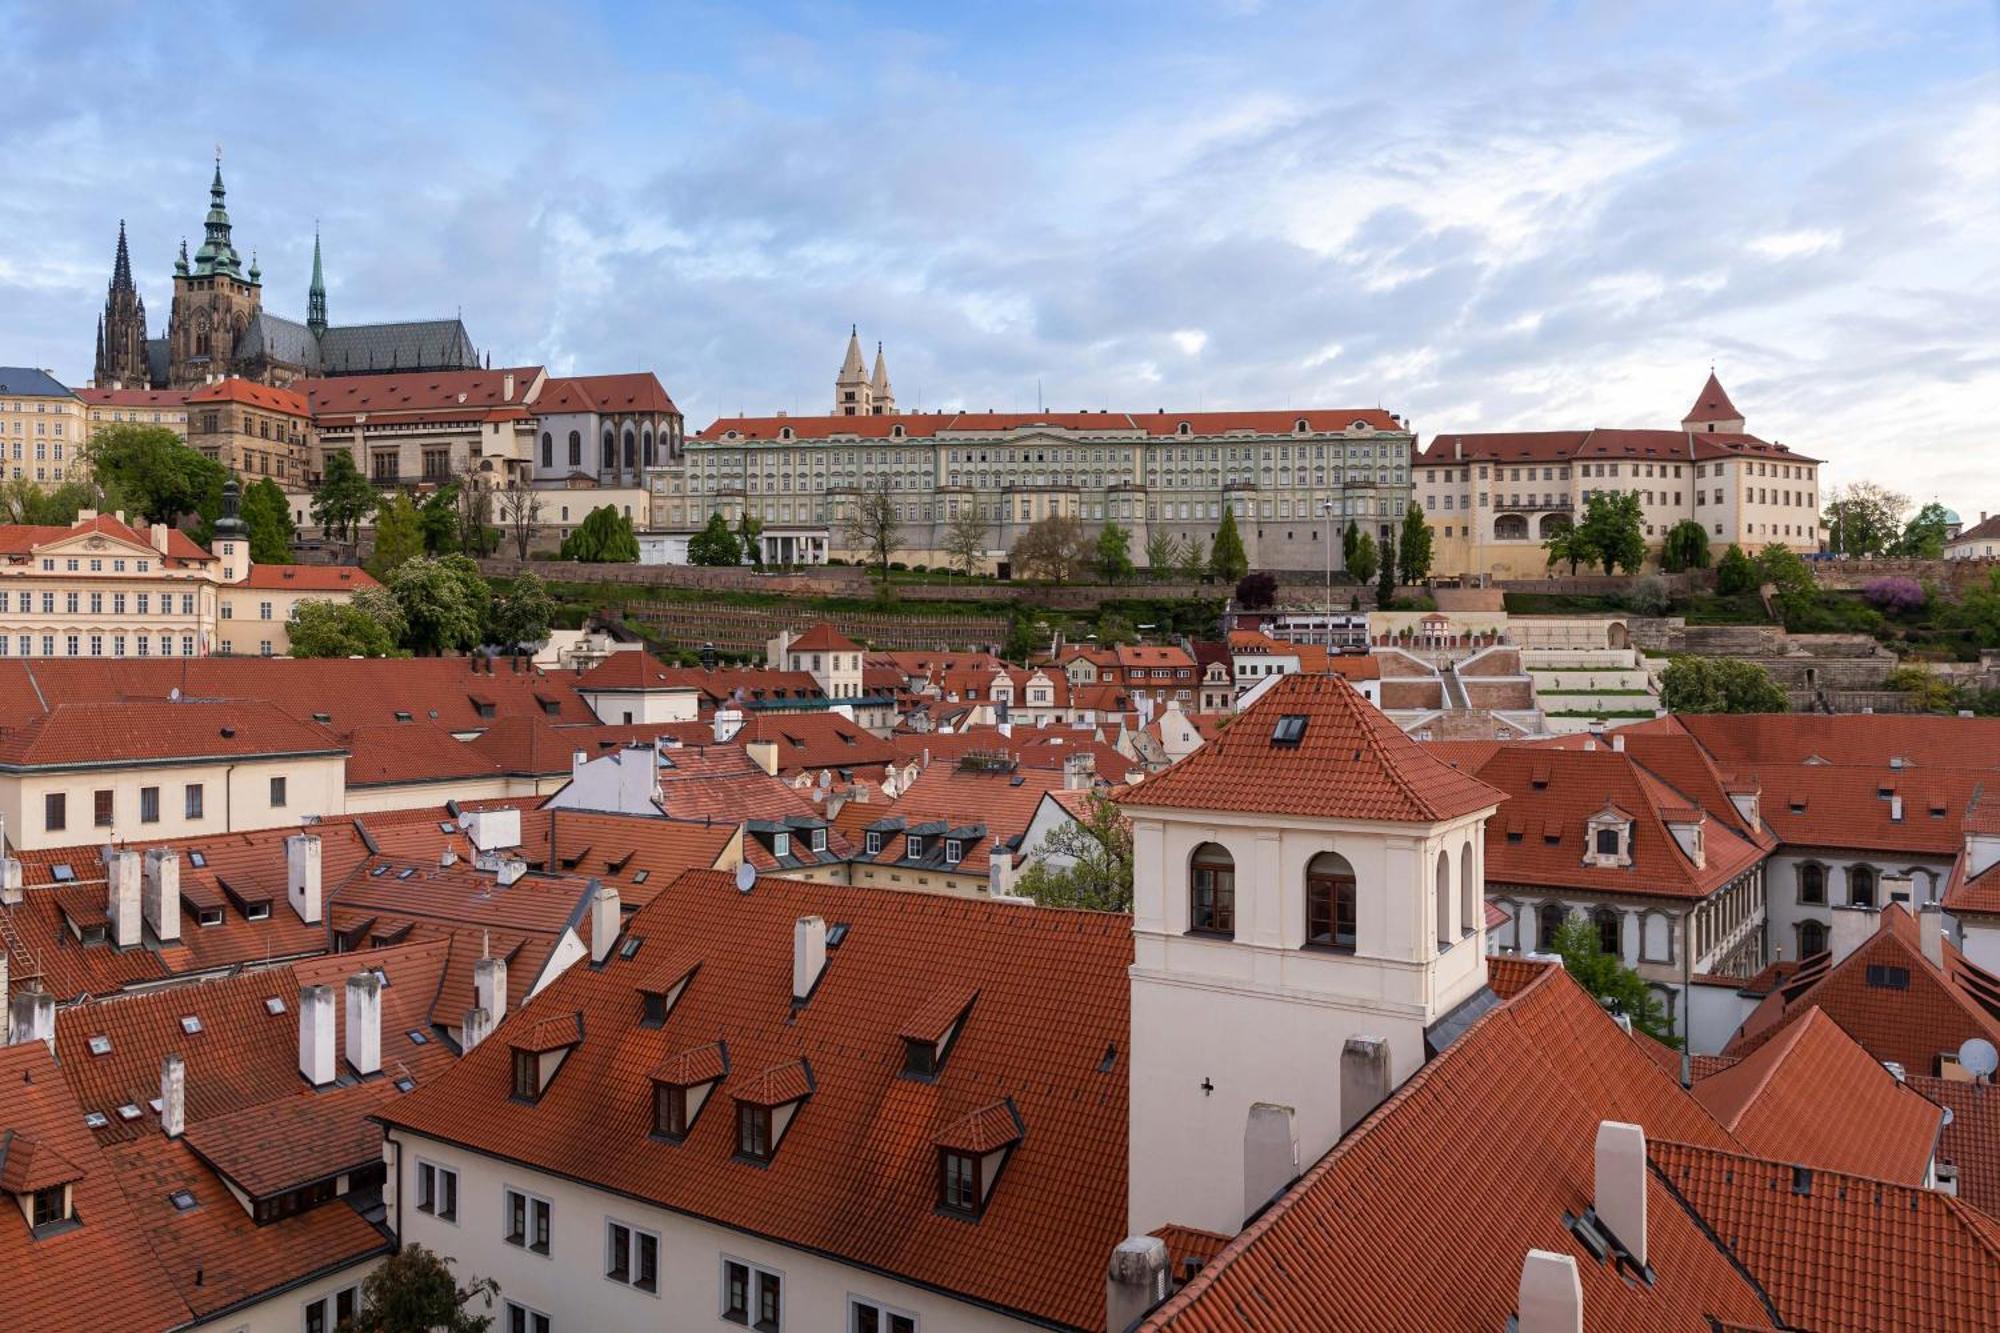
[(1471, 912), (610, 448), (631, 448), (1549, 918), (1330, 903), (575, 449), (1212, 891), (1552, 524), (646, 446), (1812, 883), (1812, 938), (1510, 528), (1610, 932), (1861, 886), (548, 450), (1443, 895)]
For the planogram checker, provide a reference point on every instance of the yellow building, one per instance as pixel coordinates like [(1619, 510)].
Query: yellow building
[(42, 426), (254, 430), (139, 407)]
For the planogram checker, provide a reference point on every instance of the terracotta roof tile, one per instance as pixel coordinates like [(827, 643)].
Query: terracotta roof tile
[(548, 1034), (309, 578), (691, 1068), (823, 638), (987, 1129), (1971, 1142)]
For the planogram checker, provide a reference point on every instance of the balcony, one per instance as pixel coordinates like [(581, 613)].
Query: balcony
[(1532, 504)]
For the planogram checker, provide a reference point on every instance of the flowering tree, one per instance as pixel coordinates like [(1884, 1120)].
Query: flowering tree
[(1895, 594)]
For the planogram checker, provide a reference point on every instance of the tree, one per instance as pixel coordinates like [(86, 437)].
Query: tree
[(872, 527), (521, 515), (1864, 520), (605, 537), (965, 538), (1978, 611), (1114, 553), (1350, 542), (1362, 563), (344, 499), (1085, 862), (1256, 592), (444, 603), (748, 528), (521, 616), (473, 503), (1685, 547), (1385, 587), (1796, 590), (339, 629), (1568, 546), (1925, 534), (1617, 987), (159, 476), (1734, 573), (414, 1292), (1227, 562), (1928, 691), (268, 515), (1056, 548), (714, 545), (1719, 685), (23, 501), (1114, 629), (1414, 557), (1648, 596), (1163, 553), (437, 520), (398, 536), (1194, 559), (1614, 526)]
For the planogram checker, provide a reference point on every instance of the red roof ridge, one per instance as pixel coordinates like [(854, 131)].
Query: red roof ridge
[(987, 1129)]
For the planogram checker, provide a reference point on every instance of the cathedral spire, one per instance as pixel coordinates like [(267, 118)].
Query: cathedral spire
[(316, 294), (121, 267), (217, 253), (882, 400)]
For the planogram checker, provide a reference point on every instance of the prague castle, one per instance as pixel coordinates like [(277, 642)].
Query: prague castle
[(218, 326)]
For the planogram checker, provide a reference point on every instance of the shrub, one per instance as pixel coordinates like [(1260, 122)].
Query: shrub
[(1648, 596), (1895, 594)]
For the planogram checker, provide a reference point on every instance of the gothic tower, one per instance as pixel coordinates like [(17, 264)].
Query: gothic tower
[(121, 330), (214, 300), (850, 387), (316, 295), (881, 400)]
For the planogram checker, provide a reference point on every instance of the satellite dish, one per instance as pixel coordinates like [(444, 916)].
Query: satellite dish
[(746, 875), (1978, 1057)]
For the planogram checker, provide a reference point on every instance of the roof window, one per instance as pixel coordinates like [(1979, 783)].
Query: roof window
[(628, 948), (971, 1155), (641, 876), (95, 1120), (199, 860), (406, 1084), (182, 1200), (129, 1111), (61, 873), (1883, 977), (190, 1024), (1290, 729), (100, 1044), (274, 1004), (419, 1037)]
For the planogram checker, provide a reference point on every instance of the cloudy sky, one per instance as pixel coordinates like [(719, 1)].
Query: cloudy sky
[(1489, 215)]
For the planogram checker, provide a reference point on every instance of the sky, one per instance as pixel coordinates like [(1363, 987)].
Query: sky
[(1483, 216)]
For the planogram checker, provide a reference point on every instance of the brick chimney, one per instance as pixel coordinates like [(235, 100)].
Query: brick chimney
[(1621, 1185), (604, 922), (1364, 1079), (1136, 1281), (1852, 927), (121, 878), (316, 1053), (364, 1023), (808, 955), (1270, 1154), (302, 881), (1550, 1297), (163, 893), (173, 1096), (489, 985)]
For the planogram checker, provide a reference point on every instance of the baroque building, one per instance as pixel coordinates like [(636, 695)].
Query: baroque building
[(218, 327)]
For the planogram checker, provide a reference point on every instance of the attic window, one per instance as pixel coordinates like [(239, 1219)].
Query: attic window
[(781, 844), (971, 1155), (274, 1005), (1290, 730), (406, 1084), (915, 849), (1884, 977), (209, 916), (61, 873), (190, 1024), (182, 1200), (129, 1111), (377, 872), (417, 1037), (819, 839), (95, 1120), (402, 716), (257, 911), (199, 860), (322, 717), (641, 876), (1798, 805), (954, 851), (628, 948), (100, 1044), (835, 933)]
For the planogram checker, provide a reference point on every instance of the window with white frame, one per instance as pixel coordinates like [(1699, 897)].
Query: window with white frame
[(866, 1315), (521, 1319), (437, 1190), (631, 1256), (527, 1221), (752, 1296)]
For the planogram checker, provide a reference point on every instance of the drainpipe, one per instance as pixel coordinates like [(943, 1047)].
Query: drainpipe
[(1687, 1001)]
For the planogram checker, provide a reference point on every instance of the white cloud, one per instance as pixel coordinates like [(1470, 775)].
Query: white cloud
[(1793, 244), (1190, 341)]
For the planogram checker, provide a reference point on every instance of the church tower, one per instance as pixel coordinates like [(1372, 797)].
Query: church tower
[(214, 300), (121, 330), (316, 295), (881, 401), (1713, 412), (850, 387)]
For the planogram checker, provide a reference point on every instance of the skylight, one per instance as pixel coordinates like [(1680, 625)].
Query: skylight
[(419, 1038), (377, 872), (406, 872), (641, 876), (129, 1111), (181, 1199), (190, 1024), (630, 945), (1290, 729), (274, 1004), (100, 1044), (406, 1084), (61, 873), (199, 860), (95, 1120)]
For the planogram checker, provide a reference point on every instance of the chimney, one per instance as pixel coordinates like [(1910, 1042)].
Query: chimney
[(173, 1096), (489, 984), (1621, 1185), (1364, 1079), (364, 1023), (316, 1034), (1136, 1282), (121, 877), (163, 893), (1982, 852), (727, 722), (32, 1017), (1550, 1299), (507, 387), (1930, 930), (1852, 927), (1270, 1155), (604, 922), (808, 955), (159, 538), (478, 1027), (10, 881), (577, 759), (1896, 807), (302, 876), (510, 870), (764, 754), (1617, 743)]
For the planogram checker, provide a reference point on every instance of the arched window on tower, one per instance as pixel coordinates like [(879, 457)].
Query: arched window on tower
[(1445, 933), (1610, 934), (646, 446), (1212, 891), (1331, 915), (1471, 911)]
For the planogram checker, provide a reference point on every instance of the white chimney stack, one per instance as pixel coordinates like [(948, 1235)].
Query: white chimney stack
[(4, 980), (577, 759), (1617, 743), (1270, 1154), (173, 1096), (1896, 807), (1550, 1298), (1621, 1184), (808, 955), (478, 1027), (32, 1017), (489, 985), (364, 1023), (316, 1035), (510, 870), (163, 893), (1852, 927), (10, 871), (1930, 930), (302, 882), (1136, 1282), (158, 536), (507, 387), (1364, 1079), (604, 921), (121, 875)]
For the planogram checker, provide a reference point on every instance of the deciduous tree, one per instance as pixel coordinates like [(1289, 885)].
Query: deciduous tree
[(1086, 862), (1865, 519), (444, 603), (605, 537), (1114, 553), (872, 527), (160, 478), (344, 499), (1685, 547), (520, 507), (339, 629), (1056, 548), (520, 615), (268, 515), (715, 545), (1924, 535), (1614, 528), (965, 538), (398, 536), (1256, 592), (1719, 685), (413, 1291), (1734, 573), (1616, 986)]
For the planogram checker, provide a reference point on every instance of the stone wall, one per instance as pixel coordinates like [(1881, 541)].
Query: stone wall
[(1854, 575)]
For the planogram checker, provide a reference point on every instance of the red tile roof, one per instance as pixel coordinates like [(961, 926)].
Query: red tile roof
[(636, 854), (915, 425), (823, 638), (95, 735), (631, 671), (22, 538), (1971, 1142), (388, 754), (251, 394), (309, 578), (163, 398), (439, 394), (1039, 1247), (1760, 741), (1351, 763), (1712, 403), (1319, 420), (639, 391)]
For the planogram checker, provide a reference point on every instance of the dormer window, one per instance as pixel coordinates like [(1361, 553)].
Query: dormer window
[(819, 839), (872, 843), (954, 851), (971, 1155), (661, 991), (539, 1053), (915, 848), (932, 1031), (681, 1087), (1609, 839), (781, 844), (50, 1206), (766, 1106)]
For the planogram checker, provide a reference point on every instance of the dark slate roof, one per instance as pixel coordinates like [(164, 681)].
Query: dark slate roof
[(431, 344), (279, 339), (29, 382), (158, 362)]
